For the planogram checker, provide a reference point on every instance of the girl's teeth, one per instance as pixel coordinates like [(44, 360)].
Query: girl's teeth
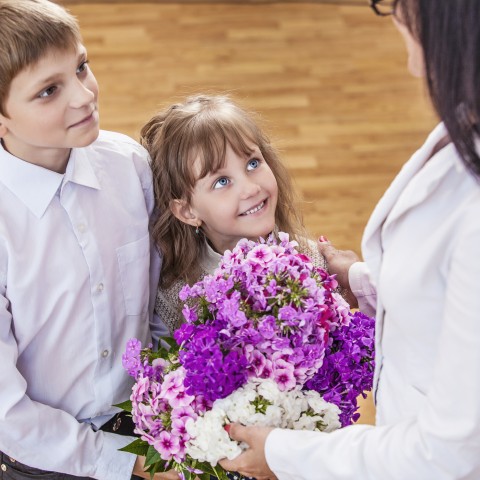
[(254, 210)]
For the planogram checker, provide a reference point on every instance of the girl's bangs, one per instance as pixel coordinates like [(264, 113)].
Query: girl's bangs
[(213, 140)]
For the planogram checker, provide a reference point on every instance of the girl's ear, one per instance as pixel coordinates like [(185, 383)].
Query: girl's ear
[(182, 210)]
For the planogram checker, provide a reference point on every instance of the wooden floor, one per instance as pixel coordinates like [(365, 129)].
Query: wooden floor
[(329, 81)]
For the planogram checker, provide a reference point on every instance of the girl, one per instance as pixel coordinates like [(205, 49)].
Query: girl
[(217, 179)]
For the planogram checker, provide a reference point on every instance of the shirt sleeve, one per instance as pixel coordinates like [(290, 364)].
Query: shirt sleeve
[(442, 440)]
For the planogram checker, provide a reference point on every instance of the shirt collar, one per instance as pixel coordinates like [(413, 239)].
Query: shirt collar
[(210, 260), (80, 170), (36, 186)]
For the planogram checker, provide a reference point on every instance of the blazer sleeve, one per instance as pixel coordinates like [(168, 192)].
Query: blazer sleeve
[(363, 288)]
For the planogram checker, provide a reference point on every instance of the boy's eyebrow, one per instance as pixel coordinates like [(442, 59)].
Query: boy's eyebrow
[(82, 56)]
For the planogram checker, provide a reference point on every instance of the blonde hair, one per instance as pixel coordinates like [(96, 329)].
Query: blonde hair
[(200, 128), (29, 29)]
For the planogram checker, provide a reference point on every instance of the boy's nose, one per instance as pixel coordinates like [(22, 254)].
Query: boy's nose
[(81, 95)]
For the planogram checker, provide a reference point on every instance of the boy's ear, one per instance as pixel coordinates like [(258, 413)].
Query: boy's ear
[(184, 212)]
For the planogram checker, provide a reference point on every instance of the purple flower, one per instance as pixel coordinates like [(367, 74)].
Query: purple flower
[(347, 369), (131, 358), (264, 296)]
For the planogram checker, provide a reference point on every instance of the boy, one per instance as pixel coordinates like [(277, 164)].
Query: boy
[(76, 266)]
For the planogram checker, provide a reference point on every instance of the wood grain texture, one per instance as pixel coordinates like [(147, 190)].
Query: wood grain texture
[(329, 81)]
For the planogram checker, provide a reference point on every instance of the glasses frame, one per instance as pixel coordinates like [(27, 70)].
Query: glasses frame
[(382, 13)]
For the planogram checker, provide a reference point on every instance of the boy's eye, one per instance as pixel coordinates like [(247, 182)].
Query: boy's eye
[(82, 67), (253, 164), (221, 182), (48, 92)]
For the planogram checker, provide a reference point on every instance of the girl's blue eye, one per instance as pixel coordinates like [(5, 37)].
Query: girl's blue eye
[(221, 182), (48, 92), (253, 164)]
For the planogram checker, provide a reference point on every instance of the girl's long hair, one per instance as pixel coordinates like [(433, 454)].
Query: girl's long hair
[(449, 33), (201, 128)]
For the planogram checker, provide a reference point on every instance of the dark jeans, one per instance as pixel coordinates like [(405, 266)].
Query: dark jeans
[(10, 469)]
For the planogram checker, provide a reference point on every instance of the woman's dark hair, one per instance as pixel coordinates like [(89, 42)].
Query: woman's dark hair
[(449, 33)]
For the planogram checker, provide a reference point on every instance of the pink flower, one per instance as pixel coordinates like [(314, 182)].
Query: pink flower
[(284, 375), (178, 428), (257, 361), (180, 399), (267, 371), (172, 383), (285, 379), (167, 445), (260, 254)]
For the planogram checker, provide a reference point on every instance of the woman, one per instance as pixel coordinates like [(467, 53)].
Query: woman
[(422, 251)]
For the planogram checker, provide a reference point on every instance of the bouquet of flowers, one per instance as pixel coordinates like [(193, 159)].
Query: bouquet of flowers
[(266, 341)]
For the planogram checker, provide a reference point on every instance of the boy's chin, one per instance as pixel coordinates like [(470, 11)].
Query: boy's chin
[(87, 139)]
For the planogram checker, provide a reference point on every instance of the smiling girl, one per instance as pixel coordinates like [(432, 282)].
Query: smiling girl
[(217, 180)]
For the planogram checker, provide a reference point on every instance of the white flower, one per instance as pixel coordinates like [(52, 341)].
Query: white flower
[(294, 403), (329, 411), (307, 422), (210, 442), (269, 390), (259, 402)]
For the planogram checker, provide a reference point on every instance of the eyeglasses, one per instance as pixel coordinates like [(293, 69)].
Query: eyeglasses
[(383, 7)]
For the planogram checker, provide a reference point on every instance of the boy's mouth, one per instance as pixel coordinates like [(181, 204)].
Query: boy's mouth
[(254, 209), (84, 120)]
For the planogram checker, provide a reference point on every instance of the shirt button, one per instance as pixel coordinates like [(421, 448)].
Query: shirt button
[(105, 353), (81, 227), (100, 288), (11, 459), (3, 467)]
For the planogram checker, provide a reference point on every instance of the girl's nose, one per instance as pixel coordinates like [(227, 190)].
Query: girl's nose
[(249, 189)]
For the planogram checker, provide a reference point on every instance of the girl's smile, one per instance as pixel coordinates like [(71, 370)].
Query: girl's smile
[(255, 209)]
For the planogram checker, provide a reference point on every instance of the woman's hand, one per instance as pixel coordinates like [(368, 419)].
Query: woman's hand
[(139, 470), (252, 462), (339, 263)]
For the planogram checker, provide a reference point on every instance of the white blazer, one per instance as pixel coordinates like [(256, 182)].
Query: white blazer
[(422, 249)]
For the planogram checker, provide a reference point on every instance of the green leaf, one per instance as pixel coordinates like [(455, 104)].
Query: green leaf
[(222, 474), (127, 406), (156, 467), (152, 456), (137, 447), (187, 474), (171, 342)]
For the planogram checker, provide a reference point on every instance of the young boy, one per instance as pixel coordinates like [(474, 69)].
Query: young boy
[(76, 267)]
